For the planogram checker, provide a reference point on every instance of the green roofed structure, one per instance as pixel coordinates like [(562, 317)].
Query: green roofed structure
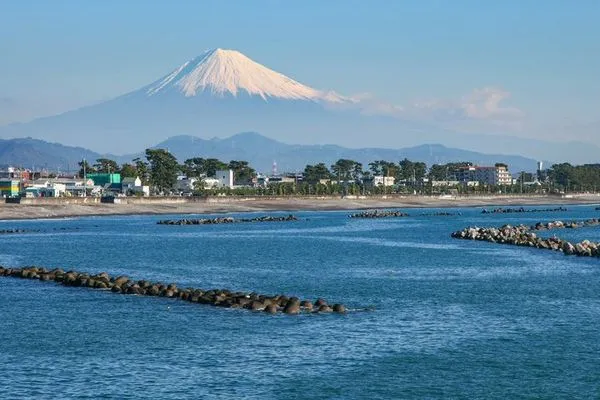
[(103, 179)]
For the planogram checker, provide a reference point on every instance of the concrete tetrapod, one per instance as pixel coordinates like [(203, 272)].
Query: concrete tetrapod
[(215, 297), (521, 235)]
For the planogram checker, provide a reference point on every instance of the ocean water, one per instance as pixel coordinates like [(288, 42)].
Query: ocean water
[(433, 317)]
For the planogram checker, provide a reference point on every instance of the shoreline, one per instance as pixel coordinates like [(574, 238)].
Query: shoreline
[(59, 208)]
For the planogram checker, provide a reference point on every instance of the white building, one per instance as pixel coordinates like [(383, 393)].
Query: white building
[(210, 183), (58, 187), (225, 178), (380, 180), (444, 183), (44, 188), (130, 183), (185, 184), (496, 175), (134, 186), (503, 177)]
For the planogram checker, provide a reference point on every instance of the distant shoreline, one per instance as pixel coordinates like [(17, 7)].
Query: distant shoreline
[(68, 208)]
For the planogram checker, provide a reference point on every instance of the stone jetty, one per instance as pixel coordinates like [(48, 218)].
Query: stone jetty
[(226, 220), (521, 210), (379, 214), (214, 297), (522, 235)]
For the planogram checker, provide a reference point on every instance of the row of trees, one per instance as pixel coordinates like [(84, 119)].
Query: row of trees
[(569, 177), (160, 169), (350, 170)]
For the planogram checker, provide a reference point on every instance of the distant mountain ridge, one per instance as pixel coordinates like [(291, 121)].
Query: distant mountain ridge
[(35, 153), (260, 151), (222, 92)]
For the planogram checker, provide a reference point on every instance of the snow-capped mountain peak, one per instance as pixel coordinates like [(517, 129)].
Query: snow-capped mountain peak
[(221, 72)]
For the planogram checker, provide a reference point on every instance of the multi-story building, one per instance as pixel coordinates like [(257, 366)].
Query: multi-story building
[(496, 175), (503, 177)]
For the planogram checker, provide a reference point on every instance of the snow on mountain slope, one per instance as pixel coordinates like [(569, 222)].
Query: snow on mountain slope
[(221, 72)]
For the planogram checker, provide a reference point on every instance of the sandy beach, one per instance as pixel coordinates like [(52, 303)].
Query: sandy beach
[(59, 209)]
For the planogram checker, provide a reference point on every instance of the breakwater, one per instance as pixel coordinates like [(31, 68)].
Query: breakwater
[(440, 214), (522, 235), (226, 220), (521, 210), (214, 297), (541, 226), (12, 231), (18, 230), (379, 214)]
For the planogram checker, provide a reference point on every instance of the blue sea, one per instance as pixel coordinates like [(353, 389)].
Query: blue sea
[(431, 316)]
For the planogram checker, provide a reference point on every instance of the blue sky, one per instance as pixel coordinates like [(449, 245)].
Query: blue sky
[(541, 57)]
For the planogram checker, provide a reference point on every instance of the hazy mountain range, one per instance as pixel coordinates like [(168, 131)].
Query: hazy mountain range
[(259, 150), (223, 92)]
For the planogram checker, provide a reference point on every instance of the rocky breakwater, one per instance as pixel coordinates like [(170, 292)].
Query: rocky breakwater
[(379, 214), (227, 220), (214, 297), (521, 210), (18, 230), (440, 214), (541, 226), (522, 235), (13, 231)]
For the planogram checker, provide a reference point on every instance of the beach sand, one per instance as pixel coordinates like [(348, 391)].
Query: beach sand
[(63, 209)]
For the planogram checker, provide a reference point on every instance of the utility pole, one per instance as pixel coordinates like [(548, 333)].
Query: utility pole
[(84, 180), (522, 177)]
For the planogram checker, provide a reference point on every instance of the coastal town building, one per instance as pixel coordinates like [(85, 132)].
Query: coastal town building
[(9, 172), (210, 183), (103, 179), (282, 179), (441, 183), (60, 187), (10, 187), (496, 175), (185, 184), (133, 186), (379, 180), (225, 178)]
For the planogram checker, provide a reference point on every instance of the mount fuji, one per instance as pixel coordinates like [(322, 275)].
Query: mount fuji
[(217, 94), (229, 73), (223, 92)]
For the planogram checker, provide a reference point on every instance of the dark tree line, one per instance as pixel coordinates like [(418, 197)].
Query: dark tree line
[(574, 177), (160, 169)]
